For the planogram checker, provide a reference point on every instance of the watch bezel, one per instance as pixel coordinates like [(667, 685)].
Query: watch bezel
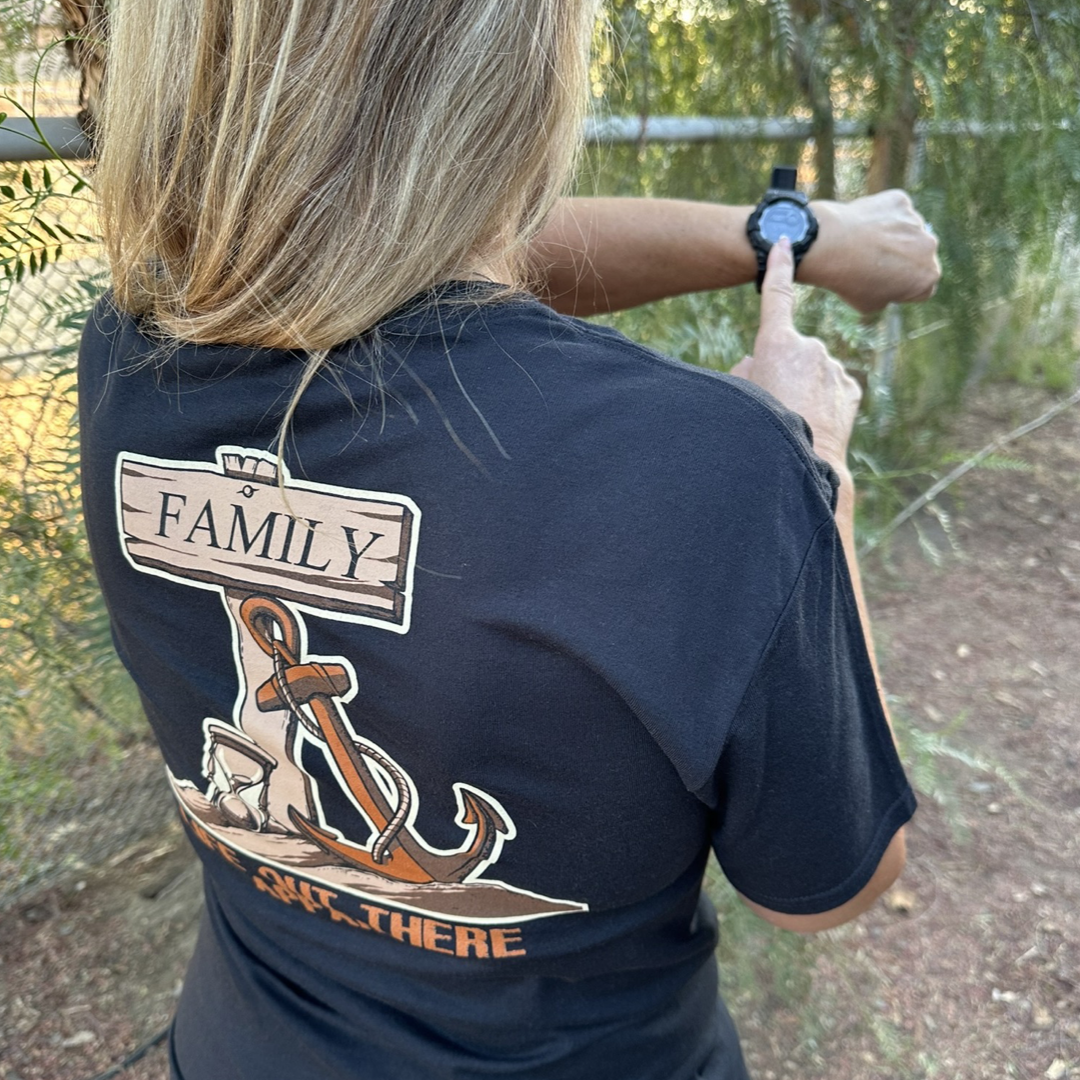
[(761, 244)]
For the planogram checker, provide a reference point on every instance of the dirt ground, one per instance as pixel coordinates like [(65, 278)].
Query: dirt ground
[(968, 970)]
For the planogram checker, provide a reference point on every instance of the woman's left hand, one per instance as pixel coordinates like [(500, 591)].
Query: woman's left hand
[(872, 251)]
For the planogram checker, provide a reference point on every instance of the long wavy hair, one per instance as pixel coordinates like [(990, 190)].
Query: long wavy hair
[(286, 173)]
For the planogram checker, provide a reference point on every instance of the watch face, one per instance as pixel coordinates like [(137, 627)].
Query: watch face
[(784, 218)]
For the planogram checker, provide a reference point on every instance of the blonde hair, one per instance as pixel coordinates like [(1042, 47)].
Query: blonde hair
[(284, 173)]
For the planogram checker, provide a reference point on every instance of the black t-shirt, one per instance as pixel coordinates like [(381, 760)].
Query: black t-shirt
[(455, 705)]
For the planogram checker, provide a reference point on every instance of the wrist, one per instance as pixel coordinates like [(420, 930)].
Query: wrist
[(820, 263), (742, 261), (783, 211)]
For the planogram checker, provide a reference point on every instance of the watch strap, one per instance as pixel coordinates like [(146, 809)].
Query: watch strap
[(782, 187), (762, 258)]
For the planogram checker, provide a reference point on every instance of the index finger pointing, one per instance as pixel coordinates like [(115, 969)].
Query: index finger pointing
[(778, 289)]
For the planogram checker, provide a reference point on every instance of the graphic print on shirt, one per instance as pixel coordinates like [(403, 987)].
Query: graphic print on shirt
[(329, 552)]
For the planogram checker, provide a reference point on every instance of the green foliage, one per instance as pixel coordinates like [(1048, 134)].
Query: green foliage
[(693, 328), (33, 232), (924, 753), (1005, 207), (65, 704), (15, 27), (761, 967), (989, 197), (42, 207), (1036, 338), (63, 697)]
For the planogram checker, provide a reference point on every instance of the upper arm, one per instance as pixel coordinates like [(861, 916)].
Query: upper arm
[(888, 870), (810, 794)]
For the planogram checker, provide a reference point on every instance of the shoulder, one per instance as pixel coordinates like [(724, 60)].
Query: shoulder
[(113, 340), (655, 406), (105, 321)]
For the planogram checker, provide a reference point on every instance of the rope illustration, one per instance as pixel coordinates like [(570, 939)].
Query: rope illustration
[(284, 656)]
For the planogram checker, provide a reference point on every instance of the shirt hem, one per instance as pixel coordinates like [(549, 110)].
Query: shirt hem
[(897, 815)]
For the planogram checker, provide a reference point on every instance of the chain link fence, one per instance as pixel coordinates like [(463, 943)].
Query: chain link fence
[(80, 777)]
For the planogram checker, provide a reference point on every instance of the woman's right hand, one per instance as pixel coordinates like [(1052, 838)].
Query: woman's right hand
[(798, 371)]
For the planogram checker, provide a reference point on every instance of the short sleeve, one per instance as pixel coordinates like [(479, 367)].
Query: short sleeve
[(809, 790)]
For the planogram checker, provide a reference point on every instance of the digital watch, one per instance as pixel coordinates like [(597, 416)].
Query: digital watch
[(783, 211)]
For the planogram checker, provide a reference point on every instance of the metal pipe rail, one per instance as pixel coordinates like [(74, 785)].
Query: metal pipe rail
[(676, 129), (63, 138), (19, 140)]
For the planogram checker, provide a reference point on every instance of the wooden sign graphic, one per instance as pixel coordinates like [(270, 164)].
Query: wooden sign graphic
[(324, 547)]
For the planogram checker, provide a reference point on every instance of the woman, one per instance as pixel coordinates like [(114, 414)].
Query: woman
[(467, 629)]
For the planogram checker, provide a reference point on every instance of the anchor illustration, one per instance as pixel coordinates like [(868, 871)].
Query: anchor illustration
[(278, 549), (309, 693)]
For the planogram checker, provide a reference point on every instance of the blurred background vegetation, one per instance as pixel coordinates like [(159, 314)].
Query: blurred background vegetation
[(1003, 199), (972, 105)]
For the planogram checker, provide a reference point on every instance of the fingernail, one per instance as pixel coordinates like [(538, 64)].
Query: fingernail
[(785, 243)]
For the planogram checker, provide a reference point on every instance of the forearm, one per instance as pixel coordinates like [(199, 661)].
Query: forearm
[(598, 255), (608, 254)]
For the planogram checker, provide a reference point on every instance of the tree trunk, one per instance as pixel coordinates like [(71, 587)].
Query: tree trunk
[(894, 130), (894, 134), (815, 85), (810, 24)]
